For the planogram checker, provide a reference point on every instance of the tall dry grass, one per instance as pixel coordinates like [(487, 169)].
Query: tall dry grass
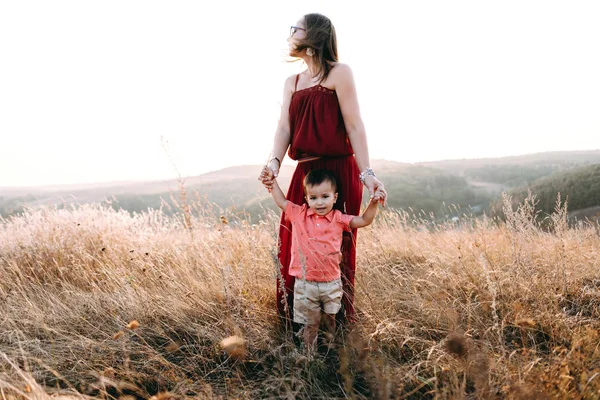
[(98, 303)]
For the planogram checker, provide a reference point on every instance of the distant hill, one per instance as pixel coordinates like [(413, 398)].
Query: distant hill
[(517, 170), (433, 187), (226, 187), (580, 186), (431, 190), (563, 158)]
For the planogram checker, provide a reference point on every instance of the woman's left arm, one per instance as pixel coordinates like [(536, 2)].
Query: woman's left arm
[(355, 128)]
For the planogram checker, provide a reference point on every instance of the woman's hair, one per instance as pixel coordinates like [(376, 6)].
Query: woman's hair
[(317, 176), (320, 36)]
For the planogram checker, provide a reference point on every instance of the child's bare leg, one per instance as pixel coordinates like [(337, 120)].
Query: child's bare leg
[(310, 336), (311, 329), (332, 300), (330, 325)]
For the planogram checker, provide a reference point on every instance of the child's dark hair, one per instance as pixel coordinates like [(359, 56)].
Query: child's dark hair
[(318, 176)]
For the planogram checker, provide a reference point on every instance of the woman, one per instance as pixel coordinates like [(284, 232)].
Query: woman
[(321, 127)]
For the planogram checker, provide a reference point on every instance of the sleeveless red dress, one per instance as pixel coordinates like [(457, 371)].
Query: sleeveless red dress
[(318, 134)]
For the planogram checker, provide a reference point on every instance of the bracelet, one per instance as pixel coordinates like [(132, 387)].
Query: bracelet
[(276, 159), (367, 172)]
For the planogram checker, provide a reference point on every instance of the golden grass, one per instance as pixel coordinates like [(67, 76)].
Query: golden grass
[(98, 303)]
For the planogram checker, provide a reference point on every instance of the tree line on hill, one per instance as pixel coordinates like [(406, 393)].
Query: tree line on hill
[(580, 187)]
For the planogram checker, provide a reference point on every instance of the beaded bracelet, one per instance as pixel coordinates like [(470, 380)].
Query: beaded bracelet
[(367, 172)]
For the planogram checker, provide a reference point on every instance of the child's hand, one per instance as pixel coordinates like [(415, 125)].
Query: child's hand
[(378, 196)]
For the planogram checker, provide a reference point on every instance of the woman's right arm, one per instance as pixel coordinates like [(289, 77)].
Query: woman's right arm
[(281, 141)]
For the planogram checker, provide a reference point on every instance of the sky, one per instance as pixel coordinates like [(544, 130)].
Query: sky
[(98, 91)]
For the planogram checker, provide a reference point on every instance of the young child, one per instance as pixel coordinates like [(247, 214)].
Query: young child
[(316, 243)]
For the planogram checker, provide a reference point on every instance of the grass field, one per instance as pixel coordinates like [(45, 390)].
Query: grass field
[(98, 303)]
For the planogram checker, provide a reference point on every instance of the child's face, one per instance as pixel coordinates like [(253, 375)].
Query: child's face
[(321, 197)]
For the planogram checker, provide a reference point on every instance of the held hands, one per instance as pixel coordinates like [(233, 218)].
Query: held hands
[(373, 201), (269, 173), (267, 177), (376, 190), (274, 165)]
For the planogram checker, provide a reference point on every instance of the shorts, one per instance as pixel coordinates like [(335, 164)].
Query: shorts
[(310, 295)]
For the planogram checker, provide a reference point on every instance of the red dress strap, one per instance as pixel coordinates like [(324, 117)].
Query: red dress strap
[(296, 85)]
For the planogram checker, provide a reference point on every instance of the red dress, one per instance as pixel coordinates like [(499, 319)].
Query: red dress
[(318, 131)]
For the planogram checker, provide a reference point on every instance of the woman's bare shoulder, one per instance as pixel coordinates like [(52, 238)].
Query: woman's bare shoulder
[(290, 82), (288, 85), (340, 73), (341, 69), (291, 79)]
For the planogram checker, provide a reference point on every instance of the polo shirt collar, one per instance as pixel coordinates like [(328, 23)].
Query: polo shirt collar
[(329, 215)]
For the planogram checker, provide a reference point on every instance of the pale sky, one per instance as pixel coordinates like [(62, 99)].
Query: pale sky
[(88, 88)]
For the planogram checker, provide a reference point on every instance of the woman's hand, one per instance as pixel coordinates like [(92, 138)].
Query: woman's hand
[(269, 173), (274, 165), (267, 176), (376, 189)]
